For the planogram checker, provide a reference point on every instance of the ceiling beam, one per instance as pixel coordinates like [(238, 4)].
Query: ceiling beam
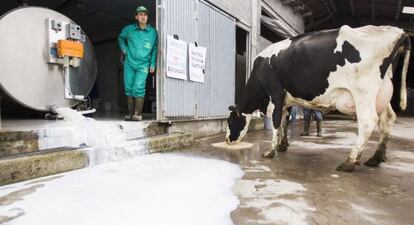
[(379, 9), (307, 14), (299, 8), (367, 20), (335, 10), (22, 3), (63, 5), (327, 7), (373, 10), (329, 10), (288, 2), (352, 5), (398, 11), (319, 22), (406, 25)]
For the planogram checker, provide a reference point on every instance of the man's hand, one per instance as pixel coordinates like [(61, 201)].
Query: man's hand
[(122, 58), (152, 70)]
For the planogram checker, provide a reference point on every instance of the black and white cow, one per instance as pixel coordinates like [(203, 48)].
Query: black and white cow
[(348, 69)]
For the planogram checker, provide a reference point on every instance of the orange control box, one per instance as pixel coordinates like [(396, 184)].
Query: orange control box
[(70, 48)]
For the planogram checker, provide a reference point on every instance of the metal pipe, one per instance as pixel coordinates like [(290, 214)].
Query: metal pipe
[(398, 11), (352, 6), (373, 10)]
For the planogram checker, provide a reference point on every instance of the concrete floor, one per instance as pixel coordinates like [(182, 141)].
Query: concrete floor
[(302, 186)]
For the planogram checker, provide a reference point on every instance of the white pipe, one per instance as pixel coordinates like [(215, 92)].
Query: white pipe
[(87, 111), (68, 93)]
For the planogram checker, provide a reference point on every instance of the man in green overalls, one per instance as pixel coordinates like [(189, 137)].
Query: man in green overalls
[(138, 43)]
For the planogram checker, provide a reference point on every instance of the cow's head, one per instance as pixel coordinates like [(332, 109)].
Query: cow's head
[(237, 125)]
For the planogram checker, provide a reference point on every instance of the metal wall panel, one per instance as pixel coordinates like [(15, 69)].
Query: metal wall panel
[(203, 89), (222, 63), (179, 19), (218, 33), (193, 21)]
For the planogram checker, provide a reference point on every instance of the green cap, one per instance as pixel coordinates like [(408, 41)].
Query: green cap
[(141, 9)]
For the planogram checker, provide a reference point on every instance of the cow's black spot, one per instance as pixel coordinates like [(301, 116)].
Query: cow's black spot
[(350, 53), (304, 67), (236, 124)]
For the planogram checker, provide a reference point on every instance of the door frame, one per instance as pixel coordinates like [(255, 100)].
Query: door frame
[(160, 59)]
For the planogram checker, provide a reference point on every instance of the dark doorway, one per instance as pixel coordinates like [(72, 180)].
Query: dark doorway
[(241, 61)]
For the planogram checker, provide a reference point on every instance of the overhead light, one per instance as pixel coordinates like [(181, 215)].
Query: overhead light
[(408, 10)]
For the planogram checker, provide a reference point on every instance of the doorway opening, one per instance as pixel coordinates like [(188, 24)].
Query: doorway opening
[(242, 61)]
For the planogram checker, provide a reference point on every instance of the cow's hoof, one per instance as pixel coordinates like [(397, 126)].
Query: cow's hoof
[(282, 148), (346, 167), (269, 154), (375, 160)]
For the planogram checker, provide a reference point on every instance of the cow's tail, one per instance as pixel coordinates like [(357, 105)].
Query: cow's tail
[(403, 90)]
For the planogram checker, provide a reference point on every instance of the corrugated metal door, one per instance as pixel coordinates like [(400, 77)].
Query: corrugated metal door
[(195, 21), (178, 95), (217, 32)]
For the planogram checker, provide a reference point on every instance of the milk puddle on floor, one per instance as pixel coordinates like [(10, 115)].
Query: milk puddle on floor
[(124, 185), (151, 189)]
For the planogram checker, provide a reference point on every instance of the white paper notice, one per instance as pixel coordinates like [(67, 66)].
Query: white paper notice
[(197, 62), (176, 58)]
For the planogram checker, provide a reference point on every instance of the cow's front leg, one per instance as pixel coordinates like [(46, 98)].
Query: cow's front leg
[(283, 142), (279, 137), (271, 153), (367, 119)]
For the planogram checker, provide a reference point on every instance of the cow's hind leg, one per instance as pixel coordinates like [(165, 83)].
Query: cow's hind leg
[(385, 123), (367, 119)]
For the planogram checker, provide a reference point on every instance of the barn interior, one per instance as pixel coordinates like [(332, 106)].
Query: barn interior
[(102, 21)]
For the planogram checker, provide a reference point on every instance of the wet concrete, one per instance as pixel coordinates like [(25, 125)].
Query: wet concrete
[(301, 186)]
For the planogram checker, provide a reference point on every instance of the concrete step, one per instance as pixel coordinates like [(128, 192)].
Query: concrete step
[(17, 142), (169, 142), (67, 136), (84, 134), (37, 164)]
